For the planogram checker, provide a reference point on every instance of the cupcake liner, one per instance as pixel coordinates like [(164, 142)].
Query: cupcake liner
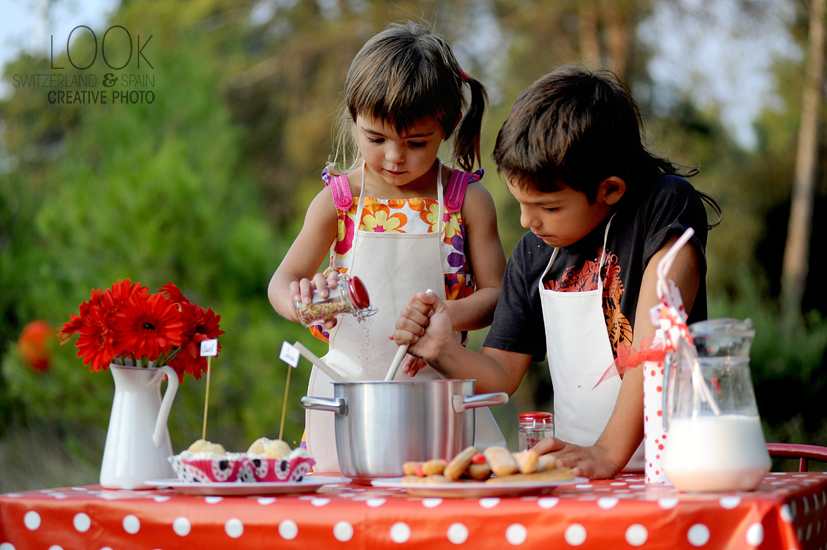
[(208, 467), (281, 469)]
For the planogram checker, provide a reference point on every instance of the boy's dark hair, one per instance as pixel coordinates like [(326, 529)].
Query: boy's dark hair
[(575, 128)]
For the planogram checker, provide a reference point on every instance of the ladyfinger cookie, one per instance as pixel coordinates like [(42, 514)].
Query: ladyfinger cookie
[(409, 468), (458, 465), (556, 474), (501, 461), (546, 462), (527, 461), (478, 472), (434, 467)]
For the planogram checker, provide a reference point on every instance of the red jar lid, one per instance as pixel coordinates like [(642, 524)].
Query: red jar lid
[(359, 293), (534, 416)]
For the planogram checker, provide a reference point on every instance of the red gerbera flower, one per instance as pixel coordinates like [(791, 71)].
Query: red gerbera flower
[(174, 294), (75, 322), (149, 326), (200, 325), (95, 344), (117, 296)]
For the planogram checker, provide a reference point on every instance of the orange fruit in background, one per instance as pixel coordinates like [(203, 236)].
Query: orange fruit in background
[(33, 345)]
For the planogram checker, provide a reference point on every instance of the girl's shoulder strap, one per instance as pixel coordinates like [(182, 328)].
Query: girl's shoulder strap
[(340, 189), (457, 186)]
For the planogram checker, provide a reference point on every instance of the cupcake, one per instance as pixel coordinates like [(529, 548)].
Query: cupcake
[(208, 462), (273, 460)]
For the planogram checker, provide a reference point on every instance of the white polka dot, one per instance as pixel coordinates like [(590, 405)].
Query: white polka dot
[(181, 526), (806, 506), (375, 502), (11, 495), (319, 502), (607, 503), (618, 483), (584, 485), (786, 515), (667, 503), (264, 501), (431, 502), (160, 498), (698, 534), (288, 529), (343, 531), (457, 533), (59, 495), (548, 502), (636, 535), (516, 534), (213, 500), (131, 524), (755, 534), (234, 528), (81, 522), (79, 489), (729, 502), (488, 503), (400, 532), (55, 547), (809, 531), (31, 520), (7, 545), (575, 534)]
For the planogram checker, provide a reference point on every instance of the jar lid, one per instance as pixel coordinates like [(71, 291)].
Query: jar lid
[(535, 416), (358, 293)]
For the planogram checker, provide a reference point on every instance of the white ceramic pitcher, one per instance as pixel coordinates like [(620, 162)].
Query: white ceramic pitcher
[(137, 441)]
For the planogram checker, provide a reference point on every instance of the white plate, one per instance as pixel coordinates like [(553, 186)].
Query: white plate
[(238, 488), (473, 489)]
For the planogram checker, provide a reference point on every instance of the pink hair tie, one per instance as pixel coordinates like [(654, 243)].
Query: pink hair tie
[(464, 75)]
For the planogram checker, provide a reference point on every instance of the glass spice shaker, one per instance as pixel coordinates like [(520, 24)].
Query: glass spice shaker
[(349, 296), (533, 427)]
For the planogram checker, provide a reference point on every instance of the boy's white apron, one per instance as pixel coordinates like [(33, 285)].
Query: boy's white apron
[(579, 352), (393, 267)]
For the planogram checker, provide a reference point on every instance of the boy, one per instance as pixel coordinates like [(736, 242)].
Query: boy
[(601, 211)]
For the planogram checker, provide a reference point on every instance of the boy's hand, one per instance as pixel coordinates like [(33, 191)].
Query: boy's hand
[(425, 325), (302, 291), (591, 462)]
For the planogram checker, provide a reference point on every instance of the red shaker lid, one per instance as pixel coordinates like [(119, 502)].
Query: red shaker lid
[(534, 416), (358, 293)]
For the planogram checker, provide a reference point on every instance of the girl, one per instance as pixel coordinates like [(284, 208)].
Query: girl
[(416, 224)]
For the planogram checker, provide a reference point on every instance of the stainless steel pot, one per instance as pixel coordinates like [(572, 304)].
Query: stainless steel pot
[(380, 425)]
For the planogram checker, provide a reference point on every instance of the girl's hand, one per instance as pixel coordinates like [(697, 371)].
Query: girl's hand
[(591, 462), (302, 291)]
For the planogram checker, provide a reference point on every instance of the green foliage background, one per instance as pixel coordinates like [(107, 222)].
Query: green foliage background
[(206, 187)]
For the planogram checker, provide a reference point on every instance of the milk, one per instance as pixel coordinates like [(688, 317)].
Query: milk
[(716, 453)]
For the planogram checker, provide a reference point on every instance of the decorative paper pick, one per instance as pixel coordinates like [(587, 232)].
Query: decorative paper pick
[(209, 349), (290, 355)]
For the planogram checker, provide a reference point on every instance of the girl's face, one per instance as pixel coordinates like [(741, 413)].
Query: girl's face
[(399, 158), (562, 218)]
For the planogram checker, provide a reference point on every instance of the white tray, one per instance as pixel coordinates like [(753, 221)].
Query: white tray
[(309, 484), (473, 489)]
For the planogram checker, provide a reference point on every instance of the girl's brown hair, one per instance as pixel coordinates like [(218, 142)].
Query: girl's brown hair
[(402, 75)]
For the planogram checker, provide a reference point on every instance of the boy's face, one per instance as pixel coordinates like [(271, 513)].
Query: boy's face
[(399, 158), (560, 218)]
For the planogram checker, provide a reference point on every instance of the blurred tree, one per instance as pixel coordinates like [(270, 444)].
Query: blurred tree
[(799, 232)]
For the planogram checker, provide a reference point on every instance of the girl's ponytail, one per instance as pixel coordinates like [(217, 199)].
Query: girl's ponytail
[(467, 136)]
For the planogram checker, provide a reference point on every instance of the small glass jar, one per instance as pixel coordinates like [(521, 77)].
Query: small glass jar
[(349, 296), (534, 427)]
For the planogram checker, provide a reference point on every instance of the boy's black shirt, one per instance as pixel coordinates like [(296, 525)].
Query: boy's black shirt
[(667, 207)]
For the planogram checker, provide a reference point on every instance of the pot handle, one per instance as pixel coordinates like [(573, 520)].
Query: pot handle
[(338, 405), (463, 402)]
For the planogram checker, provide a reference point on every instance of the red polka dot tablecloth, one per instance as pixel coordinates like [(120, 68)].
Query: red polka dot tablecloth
[(788, 511)]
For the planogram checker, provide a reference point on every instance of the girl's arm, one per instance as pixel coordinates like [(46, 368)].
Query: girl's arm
[(486, 258), (624, 431), (297, 275)]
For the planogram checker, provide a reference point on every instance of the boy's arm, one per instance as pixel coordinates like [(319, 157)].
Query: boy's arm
[(425, 324), (486, 258), (624, 431), (305, 256)]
